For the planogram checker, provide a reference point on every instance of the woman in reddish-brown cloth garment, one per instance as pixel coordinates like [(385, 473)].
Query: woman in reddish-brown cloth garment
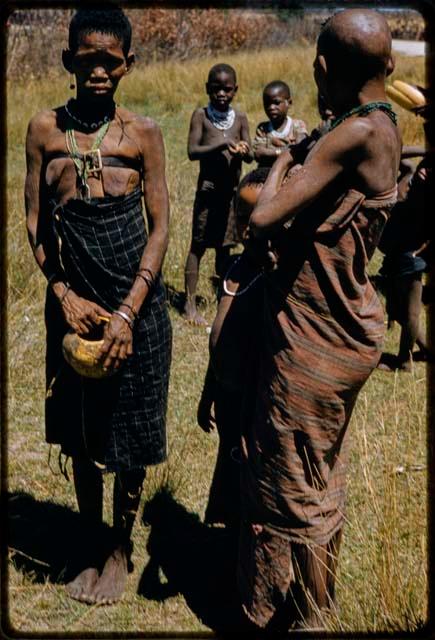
[(322, 330)]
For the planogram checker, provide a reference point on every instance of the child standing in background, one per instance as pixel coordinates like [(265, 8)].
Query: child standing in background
[(219, 139), (231, 359), (277, 133)]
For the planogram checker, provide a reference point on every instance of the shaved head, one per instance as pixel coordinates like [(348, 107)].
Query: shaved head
[(356, 42)]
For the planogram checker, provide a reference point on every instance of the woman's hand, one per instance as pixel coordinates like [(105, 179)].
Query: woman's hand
[(118, 342), (81, 314), (205, 415)]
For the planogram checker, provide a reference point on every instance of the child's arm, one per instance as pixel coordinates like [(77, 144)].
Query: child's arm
[(195, 149), (300, 131), (205, 417), (245, 140), (263, 150)]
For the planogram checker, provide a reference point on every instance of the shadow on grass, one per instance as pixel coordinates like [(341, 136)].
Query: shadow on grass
[(390, 361), (197, 561), (42, 537), (177, 299)]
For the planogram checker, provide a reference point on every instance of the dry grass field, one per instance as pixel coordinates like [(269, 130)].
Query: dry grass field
[(176, 584)]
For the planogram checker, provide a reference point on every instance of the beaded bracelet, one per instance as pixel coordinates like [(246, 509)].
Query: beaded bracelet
[(129, 306), (125, 317)]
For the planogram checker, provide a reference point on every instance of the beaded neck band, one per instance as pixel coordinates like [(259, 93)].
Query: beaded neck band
[(221, 119), (364, 110), (88, 125)]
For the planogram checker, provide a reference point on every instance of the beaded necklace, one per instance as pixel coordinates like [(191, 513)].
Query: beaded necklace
[(364, 110), (87, 125), (88, 163), (222, 120)]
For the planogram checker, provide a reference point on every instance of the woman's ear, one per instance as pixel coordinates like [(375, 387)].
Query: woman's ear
[(129, 62), (390, 65), (67, 60), (322, 63)]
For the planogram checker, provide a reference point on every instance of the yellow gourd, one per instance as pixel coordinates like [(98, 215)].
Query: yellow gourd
[(84, 354)]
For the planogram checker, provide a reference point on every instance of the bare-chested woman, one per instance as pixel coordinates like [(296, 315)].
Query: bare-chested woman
[(89, 163)]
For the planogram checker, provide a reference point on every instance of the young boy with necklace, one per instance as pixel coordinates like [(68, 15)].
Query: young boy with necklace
[(280, 131), (219, 139), (89, 163)]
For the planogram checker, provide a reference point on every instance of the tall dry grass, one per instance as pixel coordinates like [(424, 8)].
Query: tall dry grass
[(382, 570)]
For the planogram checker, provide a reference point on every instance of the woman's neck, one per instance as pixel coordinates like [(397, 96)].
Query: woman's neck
[(345, 101)]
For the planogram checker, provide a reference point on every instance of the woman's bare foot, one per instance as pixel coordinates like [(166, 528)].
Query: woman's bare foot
[(111, 584), (82, 586)]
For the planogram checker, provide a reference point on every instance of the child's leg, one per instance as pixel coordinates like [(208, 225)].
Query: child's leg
[(411, 290), (126, 497), (191, 274), (88, 485), (221, 260)]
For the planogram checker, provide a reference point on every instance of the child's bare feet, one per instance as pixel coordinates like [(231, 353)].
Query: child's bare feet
[(82, 586), (111, 584), (192, 315)]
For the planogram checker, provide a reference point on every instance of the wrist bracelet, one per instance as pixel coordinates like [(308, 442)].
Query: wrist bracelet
[(148, 281), (152, 274), (129, 306), (125, 317)]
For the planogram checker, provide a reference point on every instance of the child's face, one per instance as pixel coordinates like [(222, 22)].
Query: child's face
[(276, 104), (221, 90), (98, 64)]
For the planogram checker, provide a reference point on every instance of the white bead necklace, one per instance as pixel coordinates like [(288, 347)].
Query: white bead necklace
[(222, 120), (282, 135)]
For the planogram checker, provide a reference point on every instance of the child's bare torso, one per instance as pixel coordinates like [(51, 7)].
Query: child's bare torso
[(221, 166)]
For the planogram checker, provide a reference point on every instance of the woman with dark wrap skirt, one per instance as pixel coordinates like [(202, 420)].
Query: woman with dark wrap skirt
[(89, 164)]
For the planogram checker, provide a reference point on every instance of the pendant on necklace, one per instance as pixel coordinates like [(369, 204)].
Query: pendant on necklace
[(225, 135)]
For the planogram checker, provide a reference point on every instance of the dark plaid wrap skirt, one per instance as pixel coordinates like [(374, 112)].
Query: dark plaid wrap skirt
[(119, 422)]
